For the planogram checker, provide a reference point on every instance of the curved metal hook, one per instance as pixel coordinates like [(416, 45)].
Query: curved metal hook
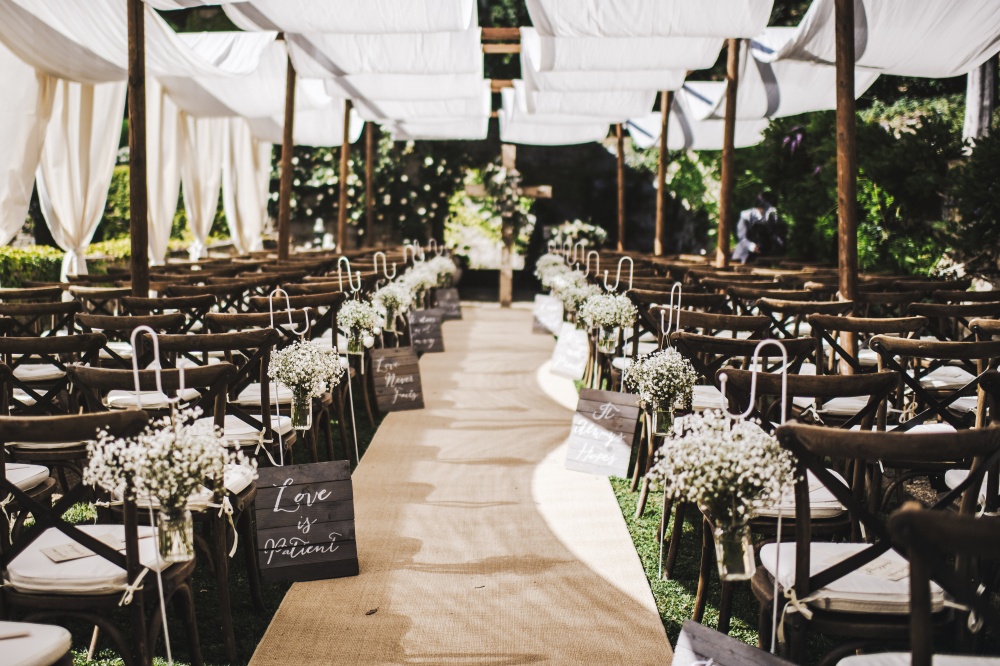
[(606, 285), (433, 245), (755, 368), (597, 263), (408, 252), (672, 324), (385, 265), (158, 368), (567, 251), (350, 282), (582, 246), (418, 254), (631, 270), (288, 307), (340, 275)]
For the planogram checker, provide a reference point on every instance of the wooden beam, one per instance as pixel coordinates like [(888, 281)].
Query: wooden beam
[(138, 202), (287, 151), (508, 159), (496, 85), (620, 135), (501, 35), (847, 158), (345, 156), (501, 48), (660, 241), (369, 184), (728, 153)]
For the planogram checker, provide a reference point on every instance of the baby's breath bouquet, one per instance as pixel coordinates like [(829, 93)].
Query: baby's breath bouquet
[(361, 322), (392, 300), (725, 468), (309, 371), (444, 268), (573, 290), (419, 280), (166, 464), (608, 313), (664, 381), (548, 267)]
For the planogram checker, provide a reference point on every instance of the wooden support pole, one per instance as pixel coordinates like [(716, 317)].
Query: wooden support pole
[(138, 203), (660, 242), (728, 153), (287, 150), (620, 133), (508, 159), (369, 184), (847, 159), (345, 156)]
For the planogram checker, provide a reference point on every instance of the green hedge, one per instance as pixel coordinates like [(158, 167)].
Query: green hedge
[(35, 262)]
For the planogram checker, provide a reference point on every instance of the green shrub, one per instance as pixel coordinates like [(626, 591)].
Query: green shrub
[(976, 189), (34, 263)]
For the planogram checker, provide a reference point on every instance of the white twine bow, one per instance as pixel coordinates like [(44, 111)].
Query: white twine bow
[(130, 591)]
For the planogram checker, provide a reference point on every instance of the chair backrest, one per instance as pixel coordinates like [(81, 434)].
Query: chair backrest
[(825, 328), (99, 300), (885, 303), (950, 321), (708, 323), (119, 329), (789, 315), (930, 285), (744, 298), (323, 309), (708, 354), (31, 294), (985, 329), (38, 368), (221, 322), (230, 297), (952, 296), (40, 319), (194, 308)]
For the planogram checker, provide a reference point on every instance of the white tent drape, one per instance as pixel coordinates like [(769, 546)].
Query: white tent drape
[(313, 127), (517, 125), (24, 116), (645, 18), (350, 16), (618, 105), (405, 87), (568, 54), (687, 131), (246, 182), (476, 106), (440, 129), (77, 163), (163, 152), (201, 176)]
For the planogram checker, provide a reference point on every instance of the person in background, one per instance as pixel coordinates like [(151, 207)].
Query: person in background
[(759, 232)]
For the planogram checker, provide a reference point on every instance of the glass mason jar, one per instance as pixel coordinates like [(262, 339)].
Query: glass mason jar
[(661, 420), (175, 531), (390, 319), (734, 551), (607, 339), (418, 299), (301, 409), (355, 342)]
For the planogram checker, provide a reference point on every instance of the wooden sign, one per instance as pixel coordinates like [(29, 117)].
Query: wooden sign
[(305, 522), (449, 303), (548, 313), (699, 645), (569, 358), (425, 331), (604, 428), (397, 379)]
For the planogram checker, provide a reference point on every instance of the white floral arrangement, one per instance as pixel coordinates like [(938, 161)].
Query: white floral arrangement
[(608, 310), (359, 318), (572, 232), (303, 366), (444, 268), (573, 290), (167, 462), (548, 267), (393, 296), (419, 279), (664, 379), (726, 467)]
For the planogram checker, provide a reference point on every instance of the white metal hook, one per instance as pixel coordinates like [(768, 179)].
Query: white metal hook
[(582, 246), (340, 276), (408, 252), (606, 285), (385, 265), (754, 371), (672, 324), (597, 263), (567, 250), (288, 307), (432, 244), (631, 270), (418, 254), (157, 369)]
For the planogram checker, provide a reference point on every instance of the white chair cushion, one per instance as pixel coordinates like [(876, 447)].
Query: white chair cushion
[(881, 586), (955, 477), (965, 405), (740, 335), (621, 362), (846, 406), (44, 645), (147, 399), (927, 428), (647, 347), (24, 397), (867, 358), (946, 377), (45, 446), (250, 396), (707, 397), (237, 478), (24, 476), (243, 434), (647, 336), (33, 571), (123, 349), (904, 659), (822, 503), (38, 372)]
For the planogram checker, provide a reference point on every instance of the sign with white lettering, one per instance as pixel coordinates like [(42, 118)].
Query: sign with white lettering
[(448, 301), (305, 522), (604, 428), (548, 313), (569, 358), (397, 379), (425, 331)]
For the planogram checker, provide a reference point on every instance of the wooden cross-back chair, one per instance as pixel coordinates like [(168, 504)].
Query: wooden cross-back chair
[(645, 300), (857, 592), (744, 298), (323, 309), (40, 319), (952, 296), (229, 296), (194, 308), (787, 317), (950, 321), (88, 590), (938, 385), (100, 300), (876, 304), (31, 294), (826, 330), (117, 351), (928, 286), (38, 367)]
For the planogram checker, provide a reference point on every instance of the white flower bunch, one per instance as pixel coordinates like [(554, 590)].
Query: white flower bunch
[(395, 296), (168, 462), (308, 367), (419, 279), (664, 379), (443, 267), (548, 267), (723, 466), (608, 310), (573, 289), (359, 318), (578, 230)]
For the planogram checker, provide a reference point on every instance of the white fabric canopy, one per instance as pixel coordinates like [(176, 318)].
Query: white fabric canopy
[(77, 163), (646, 18), (519, 126), (24, 116), (87, 41), (905, 37), (313, 127), (476, 106), (538, 78), (201, 176), (568, 54), (440, 129), (164, 143), (322, 55), (515, 102), (618, 105), (349, 16), (405, 87), (246, 183)]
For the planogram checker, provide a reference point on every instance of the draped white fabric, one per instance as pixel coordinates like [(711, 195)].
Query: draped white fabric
[(568, 54), (477, 106), (614, 105), (24, 116), (581, 80), (646, 18), (450, 129), (163, 153), (517, 125), (313, 127), (350, 16), (322, 56), (201, 176), (87, 41), (686, 131), (246, 182), (905, 37), (78, 160), (515, 104), (405, 87)]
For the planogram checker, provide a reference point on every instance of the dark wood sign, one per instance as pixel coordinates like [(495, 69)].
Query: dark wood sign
[(397, 379), (305, 522), (700, 645), (548, 313), (425, 331), (569, 358), (449, 303), (604, 428)]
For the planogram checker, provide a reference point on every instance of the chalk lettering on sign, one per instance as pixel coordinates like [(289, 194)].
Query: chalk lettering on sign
[(569, 358), (602, 433), (607, 411), (297, 547), (397, 379)]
